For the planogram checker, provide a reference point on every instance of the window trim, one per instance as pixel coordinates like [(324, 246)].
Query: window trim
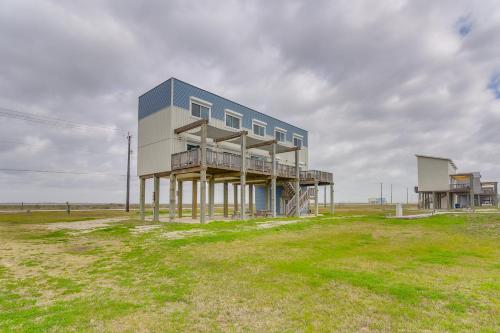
[(201, 102), (261, 124), (299, 137), (281, 130), (235, 115)]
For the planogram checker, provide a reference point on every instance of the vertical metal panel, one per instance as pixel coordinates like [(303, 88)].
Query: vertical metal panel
[(155, 99), (260, 197), (183, 91)]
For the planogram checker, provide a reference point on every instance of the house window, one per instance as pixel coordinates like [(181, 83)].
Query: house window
[(200, 111), (233, 120), (280, 135), (297, 142), (259, 128)]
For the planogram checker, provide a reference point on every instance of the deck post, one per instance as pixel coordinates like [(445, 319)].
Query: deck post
[(194, 200), (324, 193), (211, 193), (471, 195), (235, 198), (250, 199), (142, 197), (171, 208), (156, 208), (266, 187), (316, 203), (226, 199), (332, 203), (179, 198), (297, 183), (243, 176), (203, 173), (273, 180)]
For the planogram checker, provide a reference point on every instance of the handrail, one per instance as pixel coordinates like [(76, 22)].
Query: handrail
[(459, 186), (316, 175), (191, 158), (303, 199)]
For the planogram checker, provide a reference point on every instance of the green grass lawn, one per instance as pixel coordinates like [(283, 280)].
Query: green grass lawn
[(342, 273)]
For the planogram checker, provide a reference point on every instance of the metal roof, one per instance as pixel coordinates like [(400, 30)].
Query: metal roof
[(438, 158)]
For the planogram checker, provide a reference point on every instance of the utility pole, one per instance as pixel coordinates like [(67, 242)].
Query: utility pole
[(391, 193), (127, 202), (381, 194), (407, 202)]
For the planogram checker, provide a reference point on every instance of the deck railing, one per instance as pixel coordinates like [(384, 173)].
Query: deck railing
[(315, 175), (258, 165), (191, 158), (185, 159), (223, 160), (286, 171), (459, 186)]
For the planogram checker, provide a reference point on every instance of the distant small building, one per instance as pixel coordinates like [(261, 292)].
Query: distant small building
[(377, 201), (441, 187)]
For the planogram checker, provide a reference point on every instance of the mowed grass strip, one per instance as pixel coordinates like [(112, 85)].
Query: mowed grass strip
[(361, 272)]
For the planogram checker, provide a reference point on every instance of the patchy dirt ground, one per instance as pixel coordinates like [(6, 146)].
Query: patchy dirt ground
[(81, 226)]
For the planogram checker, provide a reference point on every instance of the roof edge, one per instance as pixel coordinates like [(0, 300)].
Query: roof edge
[(438, 158)]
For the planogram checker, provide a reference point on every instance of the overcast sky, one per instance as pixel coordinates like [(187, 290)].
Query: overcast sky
[(374, 82)]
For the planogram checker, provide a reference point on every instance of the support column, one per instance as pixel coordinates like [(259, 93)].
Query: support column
[(171, 208), (273, 180), (332, 202), (203, 174), (194, 200), (471, 195), (156, 201), (250, 199), (324, 193), (142, 197), (297, 184), (226, 199), (266, 187), (179, 198), (211, 199), (235, 198), (316, 203), (243, 175)]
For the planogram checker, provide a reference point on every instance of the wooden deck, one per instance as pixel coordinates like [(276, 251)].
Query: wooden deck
[(232, 162)]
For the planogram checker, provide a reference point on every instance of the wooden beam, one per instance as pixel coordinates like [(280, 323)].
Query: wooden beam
[(231, 136), (191, 126), (261, 144), (288, 150)]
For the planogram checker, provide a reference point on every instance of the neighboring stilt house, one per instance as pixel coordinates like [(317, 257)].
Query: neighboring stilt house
[(441, 187), (188, 134)]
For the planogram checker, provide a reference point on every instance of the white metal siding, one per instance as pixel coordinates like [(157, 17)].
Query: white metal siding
[(433, 174), (153, 141)]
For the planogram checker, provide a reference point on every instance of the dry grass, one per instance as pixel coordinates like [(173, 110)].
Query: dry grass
[(358, 272)]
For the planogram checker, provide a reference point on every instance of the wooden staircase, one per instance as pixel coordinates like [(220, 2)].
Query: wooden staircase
[(304, 196)]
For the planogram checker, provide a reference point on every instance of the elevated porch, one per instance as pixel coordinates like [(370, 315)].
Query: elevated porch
[(220, 162), (213, 165)]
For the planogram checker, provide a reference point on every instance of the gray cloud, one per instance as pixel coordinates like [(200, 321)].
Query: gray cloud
[(373, 82)]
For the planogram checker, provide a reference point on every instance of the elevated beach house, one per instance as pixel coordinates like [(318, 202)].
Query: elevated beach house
[(188, 134)]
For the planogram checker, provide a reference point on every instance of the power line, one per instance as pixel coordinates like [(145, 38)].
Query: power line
[(66, 148), (56, 122), (62, 172)]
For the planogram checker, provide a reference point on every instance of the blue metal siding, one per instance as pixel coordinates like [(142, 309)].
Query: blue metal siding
[(155, 99), (183, 91), (260, 197), (279, 190)]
